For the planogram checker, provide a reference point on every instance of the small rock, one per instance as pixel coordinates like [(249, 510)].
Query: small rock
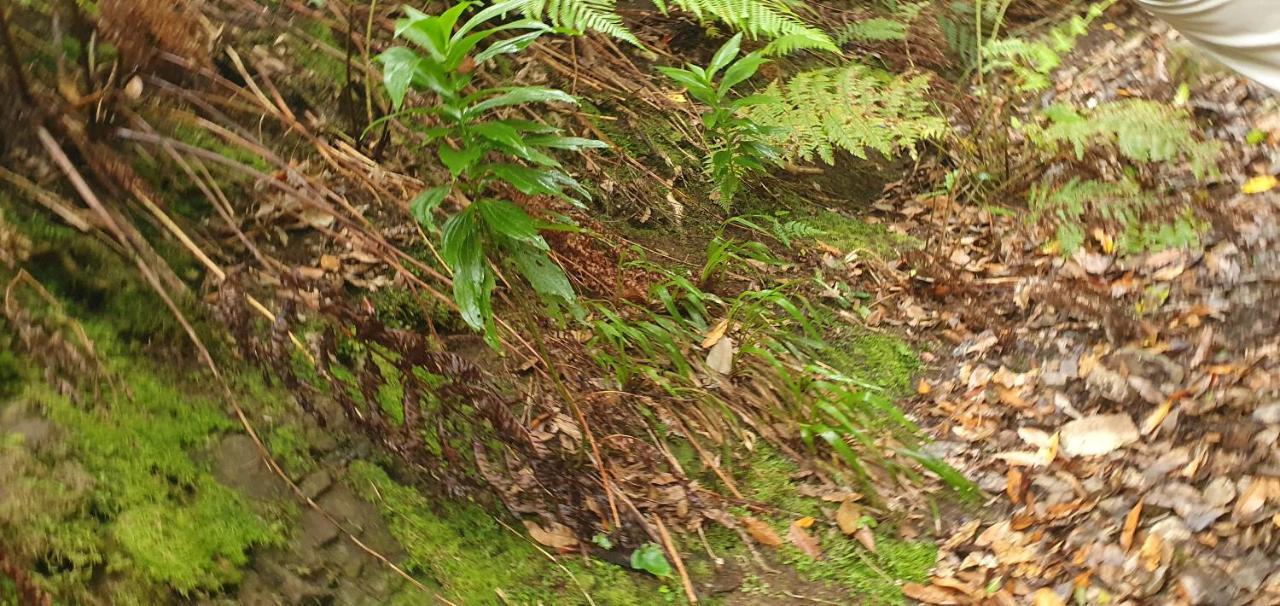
[(316, 483), (1097, 434), (1220, 492), (315, 530), (1268, 413)]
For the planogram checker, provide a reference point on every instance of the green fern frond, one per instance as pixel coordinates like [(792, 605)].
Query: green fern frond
[(1135, 215), (1142, 131), (876, 29), (1031, 61), (854, 107), (772, 19), (581, 15)]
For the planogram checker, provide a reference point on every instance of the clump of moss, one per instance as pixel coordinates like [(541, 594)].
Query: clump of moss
[(289, 447), (129, 492), (766, 477), (471, 557), (879, 359), (850, 234)]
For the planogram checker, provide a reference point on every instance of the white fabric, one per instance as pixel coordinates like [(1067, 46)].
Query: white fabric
[(1242, 34)]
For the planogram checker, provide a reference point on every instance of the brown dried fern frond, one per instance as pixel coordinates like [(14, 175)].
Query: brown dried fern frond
[(141, 29)]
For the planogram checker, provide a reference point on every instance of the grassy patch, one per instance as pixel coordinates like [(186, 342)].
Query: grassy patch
[(463, 549), (873, 577)]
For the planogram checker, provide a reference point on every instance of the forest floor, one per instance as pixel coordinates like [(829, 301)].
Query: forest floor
[(1122, 408), (1117, 411)]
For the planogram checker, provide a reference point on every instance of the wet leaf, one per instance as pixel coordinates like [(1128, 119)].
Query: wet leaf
[(651, 559), (803, 540), (762, 532)]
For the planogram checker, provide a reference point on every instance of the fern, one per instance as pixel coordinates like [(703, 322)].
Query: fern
[(772, 19), (882, 29), (1031, 61), (1071, 207), (580, 16), (769, 19), (854, 107), (1142, 131), (876, 29)]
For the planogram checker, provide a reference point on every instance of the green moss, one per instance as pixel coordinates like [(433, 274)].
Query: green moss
[(289, 447), (470, 556), (131, 494), (875, 578), (878, 359), (850, 234), (766, 477)]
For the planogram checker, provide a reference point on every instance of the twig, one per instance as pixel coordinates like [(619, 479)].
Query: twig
[(675, 557)]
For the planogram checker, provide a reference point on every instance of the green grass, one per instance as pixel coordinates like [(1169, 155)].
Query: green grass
[(874, 578)]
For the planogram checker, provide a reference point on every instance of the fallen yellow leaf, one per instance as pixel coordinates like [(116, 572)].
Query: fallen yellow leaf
[(713, 336), (1260, 184)]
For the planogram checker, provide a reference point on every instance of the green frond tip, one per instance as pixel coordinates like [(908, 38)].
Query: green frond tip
[(855, 108), (581, 16), (769, 19)]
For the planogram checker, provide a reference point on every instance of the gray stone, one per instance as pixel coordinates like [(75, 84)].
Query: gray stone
[(316, 483)]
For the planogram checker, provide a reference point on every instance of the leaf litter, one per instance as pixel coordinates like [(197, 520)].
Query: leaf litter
[(1120, 410)]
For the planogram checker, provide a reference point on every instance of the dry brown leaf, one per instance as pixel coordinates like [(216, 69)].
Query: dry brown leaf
[(716, 332), (1046, 597), (1097, 435), (1156, 417), (554, 535), (1013, 485), (1130, 526), (866, 538), (930, 594), (1253, 498), (762, 532), (803, 540), (1152, 552), (849, 517)]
